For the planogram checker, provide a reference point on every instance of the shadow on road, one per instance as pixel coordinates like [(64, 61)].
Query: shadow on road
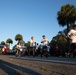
[(11, 69)]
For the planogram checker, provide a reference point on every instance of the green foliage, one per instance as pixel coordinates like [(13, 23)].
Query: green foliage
[(61, 41), (9, 40), (22, 42), (18, 37), (3, 43), (66, 15), (27, 44)]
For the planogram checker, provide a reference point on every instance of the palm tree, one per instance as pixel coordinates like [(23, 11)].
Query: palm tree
[(67, 15), (2, 43), (9, 41), (18, 37)]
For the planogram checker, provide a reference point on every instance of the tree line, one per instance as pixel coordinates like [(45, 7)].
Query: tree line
[(66, 16)]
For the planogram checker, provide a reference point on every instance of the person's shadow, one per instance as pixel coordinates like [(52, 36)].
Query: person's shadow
[(11, 69)]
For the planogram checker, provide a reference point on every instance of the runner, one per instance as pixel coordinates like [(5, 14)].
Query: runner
[(32, 46), (18, 49), (5, 49), (72, 37), (45, 43)]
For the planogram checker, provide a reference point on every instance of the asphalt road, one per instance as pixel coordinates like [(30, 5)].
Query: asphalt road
[(59, 60), (11, 65)]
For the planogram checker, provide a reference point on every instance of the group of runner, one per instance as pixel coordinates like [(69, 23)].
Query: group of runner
[(45, 44), (34, 47)]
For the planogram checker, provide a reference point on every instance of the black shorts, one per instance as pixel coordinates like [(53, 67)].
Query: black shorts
[(74, 46), (44, 47)]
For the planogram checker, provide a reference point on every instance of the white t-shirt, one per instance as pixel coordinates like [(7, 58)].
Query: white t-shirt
[(37, 47), (2, 49), (45, 41), (32, 43), (19, 47), (72, 34)]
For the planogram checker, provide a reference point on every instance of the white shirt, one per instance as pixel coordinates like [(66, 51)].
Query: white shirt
[(45, 41), (37, 47), (32, 43), (19, 47), (72, 35), (3, 50)]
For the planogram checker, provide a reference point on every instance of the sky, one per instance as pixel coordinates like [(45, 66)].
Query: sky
[(30, 18)]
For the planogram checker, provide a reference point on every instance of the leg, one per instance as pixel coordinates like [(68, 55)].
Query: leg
[(46, 51), (41, 52), (33, 51), (28, 52), (16, 53), (74, 49)]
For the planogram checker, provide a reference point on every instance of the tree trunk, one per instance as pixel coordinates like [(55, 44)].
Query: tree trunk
[(68, 38), (67, 27), (9, 45)]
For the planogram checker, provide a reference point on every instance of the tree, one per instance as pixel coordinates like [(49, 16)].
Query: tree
[(22, 42), (61, 41), (9, 41), (59, 38), (67, 15), (27, 44), (18, 37), (2, 43)]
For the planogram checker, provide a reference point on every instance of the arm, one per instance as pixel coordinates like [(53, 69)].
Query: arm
[(69, 36), (42, 41)]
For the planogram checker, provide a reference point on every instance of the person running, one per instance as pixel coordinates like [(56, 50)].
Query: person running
[(5, 49), (36, 48), (72, 36), (32, 46), (18, 49), (45, 43)]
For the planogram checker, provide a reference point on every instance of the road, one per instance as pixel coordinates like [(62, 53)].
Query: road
[(59, 60), (11, 65)]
